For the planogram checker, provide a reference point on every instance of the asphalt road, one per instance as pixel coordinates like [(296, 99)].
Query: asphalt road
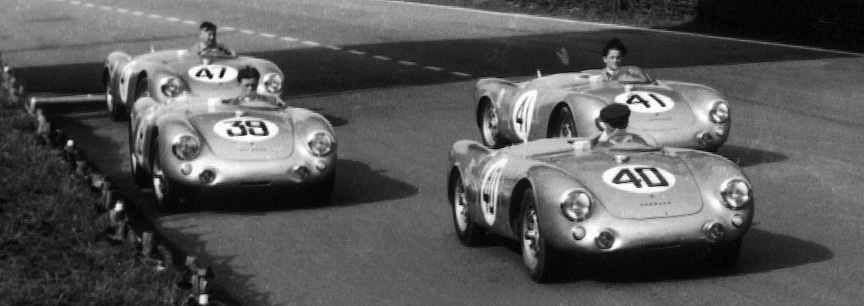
[(396, 79)]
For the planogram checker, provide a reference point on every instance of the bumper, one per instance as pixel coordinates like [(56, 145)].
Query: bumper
[(603, 233), (207, 173), (697, 136)]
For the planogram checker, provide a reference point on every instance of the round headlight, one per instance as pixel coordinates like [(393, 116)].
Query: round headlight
[(736, 193), (272, 83), (719, 112), (186, 147), (576, 205), (171, 87), (320, 144)]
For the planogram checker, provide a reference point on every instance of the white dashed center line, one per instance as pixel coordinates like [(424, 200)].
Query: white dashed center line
[(265, 35)]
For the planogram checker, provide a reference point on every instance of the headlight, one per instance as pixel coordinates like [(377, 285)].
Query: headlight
[(320, 144), (736, 193), (272, 83), (186, 147), (171, 87), (576, 205), (719, 112)]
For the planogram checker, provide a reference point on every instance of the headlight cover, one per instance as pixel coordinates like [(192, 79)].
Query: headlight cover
[(719, 112), (576, 205), (186, 147), (272, 83), (320, 144), (736, 193), (171, 87)]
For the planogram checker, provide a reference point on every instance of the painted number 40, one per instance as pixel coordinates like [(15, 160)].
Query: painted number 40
[(647, 177)]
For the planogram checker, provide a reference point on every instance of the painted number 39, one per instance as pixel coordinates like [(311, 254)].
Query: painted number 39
[(240, 128), (523, 113), (639, 179)]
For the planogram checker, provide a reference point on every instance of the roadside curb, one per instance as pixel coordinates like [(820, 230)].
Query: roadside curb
[(120, 221)]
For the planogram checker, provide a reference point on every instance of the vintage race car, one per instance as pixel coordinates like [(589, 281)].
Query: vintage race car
[(564, 197), (673, 113), (187, 146), (170, 73)]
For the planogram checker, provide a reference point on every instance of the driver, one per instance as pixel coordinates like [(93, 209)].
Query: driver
[(614, 119), (207, 41), (613, 55), (248, 78)]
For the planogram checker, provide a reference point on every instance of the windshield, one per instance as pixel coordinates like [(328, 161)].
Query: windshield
[(631, 75), (629, 142)]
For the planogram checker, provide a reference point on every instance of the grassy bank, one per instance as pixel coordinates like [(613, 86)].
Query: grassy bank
[(837, 24), (53, 249)]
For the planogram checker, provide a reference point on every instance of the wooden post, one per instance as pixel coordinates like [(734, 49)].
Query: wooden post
[(147, 244)]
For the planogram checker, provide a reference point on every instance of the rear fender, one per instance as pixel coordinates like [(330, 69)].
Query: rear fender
[(586, 110), (492, 90)]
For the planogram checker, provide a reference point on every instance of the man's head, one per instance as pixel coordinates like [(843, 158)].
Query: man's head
[(616, 116), (248, 78), (613, 53), (207, 33)]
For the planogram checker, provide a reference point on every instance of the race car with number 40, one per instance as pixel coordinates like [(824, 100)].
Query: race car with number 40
[(675, 114), (188, 146), (568, 197), (166, 74)]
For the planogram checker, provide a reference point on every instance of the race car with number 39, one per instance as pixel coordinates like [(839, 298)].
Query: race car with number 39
[(675, 114), (186, 146), (165, 74), (568, 197)]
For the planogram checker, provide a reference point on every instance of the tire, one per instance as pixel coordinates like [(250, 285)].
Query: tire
[(115, 110), (488, 123), (141, 178), (166, 196), (141, 89), (541, 259), (728, 254), (468, 232), (562, 125)]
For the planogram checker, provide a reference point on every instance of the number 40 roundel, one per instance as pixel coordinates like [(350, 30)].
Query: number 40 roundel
[(639, 179)]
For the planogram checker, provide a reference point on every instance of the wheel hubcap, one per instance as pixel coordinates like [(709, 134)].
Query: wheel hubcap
[(109, 100), (530, 238), (459, 208)]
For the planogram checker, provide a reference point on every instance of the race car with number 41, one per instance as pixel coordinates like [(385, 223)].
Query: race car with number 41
[(675, 114), (166, 74), (188, 146), (571, 197)]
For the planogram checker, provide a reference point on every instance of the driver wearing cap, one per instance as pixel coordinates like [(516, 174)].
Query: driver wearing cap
[(614, 119)]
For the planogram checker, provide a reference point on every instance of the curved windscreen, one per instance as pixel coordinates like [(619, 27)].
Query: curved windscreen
[(631, 75)]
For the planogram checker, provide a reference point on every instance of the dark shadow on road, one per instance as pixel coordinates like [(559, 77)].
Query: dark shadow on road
[(761, 252), (321, 70), (746, 157)]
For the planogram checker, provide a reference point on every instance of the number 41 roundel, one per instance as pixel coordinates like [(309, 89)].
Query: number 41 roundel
[(639, 179)]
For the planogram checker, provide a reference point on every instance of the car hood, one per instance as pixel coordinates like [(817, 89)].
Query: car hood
[(215, 79), (246, 135), (653, 107), (647, 185)]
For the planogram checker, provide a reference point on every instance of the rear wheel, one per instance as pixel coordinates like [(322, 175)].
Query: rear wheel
[(116, 111), (142, 179), (468, 232), (489, 126), (562, 125), (541, 258)]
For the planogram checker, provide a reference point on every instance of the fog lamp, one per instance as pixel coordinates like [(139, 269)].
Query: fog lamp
[(320, 165), (714, 231), (578, 232), (737, 220), (186, 168), (302, 171), (207, 176), (605, 240)]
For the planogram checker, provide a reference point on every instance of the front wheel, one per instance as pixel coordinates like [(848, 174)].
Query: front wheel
[(541, 258), (468, 232), (562, 125), (489, 126), (166, 196)]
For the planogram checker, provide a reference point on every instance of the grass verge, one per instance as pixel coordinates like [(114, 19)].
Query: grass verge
[(53, 245)]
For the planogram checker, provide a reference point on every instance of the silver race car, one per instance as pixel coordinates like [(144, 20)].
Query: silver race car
[(675, 114), (166, 74), (186, 145), (571, 197)]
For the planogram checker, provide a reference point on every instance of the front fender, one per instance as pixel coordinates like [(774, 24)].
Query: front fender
[(550, 186)]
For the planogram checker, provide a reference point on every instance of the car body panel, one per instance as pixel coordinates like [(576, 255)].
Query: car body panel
[(268, 161), (671, 113), (203, 76), (663, 214)]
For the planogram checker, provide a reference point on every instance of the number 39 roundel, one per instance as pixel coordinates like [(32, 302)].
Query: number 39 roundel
[(247, 129), (639, 179)]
